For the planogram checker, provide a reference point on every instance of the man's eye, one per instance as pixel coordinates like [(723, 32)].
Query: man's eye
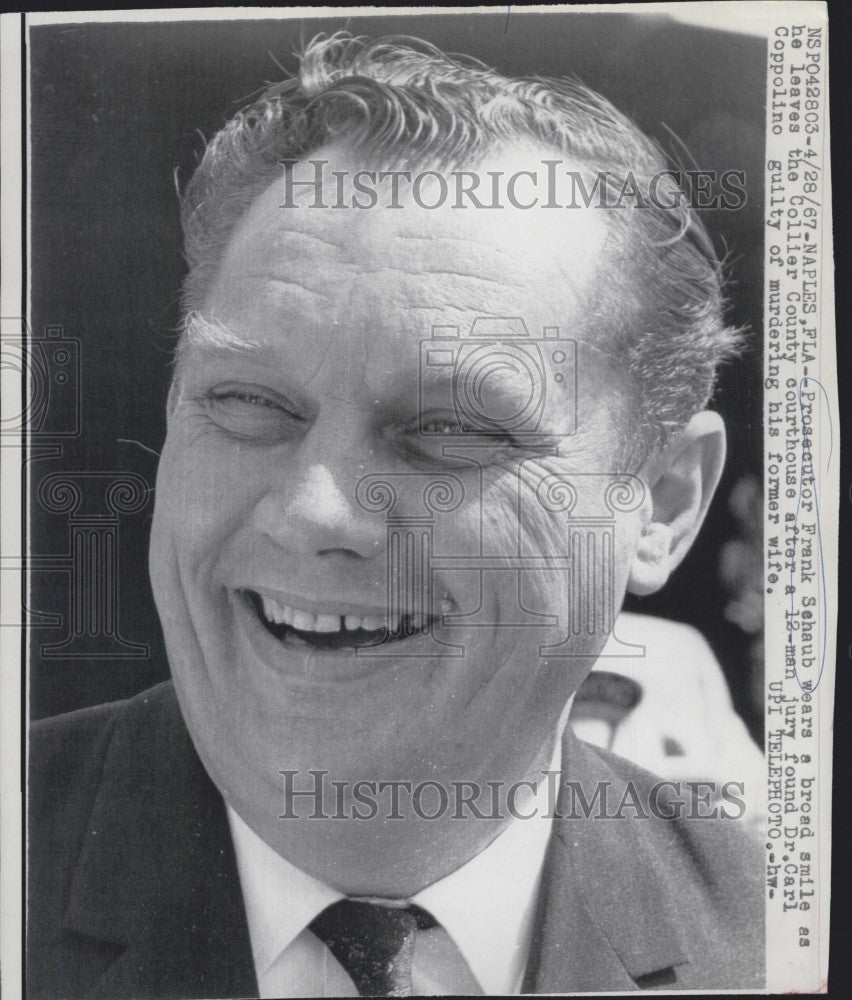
[(251, 413), (449, 425), (441, 439), (440, 425)]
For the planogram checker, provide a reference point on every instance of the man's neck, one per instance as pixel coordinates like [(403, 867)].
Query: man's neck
[(414, 848)]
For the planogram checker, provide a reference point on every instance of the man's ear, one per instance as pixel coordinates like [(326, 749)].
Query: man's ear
[(682, 481)]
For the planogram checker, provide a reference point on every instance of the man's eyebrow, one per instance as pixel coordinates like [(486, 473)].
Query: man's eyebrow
[(212, 334)]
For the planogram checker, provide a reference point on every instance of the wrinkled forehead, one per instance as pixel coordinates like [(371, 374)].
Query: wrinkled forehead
[(293, 234)]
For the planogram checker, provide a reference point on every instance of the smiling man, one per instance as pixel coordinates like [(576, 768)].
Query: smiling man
[(418, 450)]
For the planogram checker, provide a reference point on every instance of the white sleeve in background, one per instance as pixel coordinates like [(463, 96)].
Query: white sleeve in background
[(684, 726)]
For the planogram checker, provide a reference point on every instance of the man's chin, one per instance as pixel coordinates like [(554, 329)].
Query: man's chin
[(369, 840)]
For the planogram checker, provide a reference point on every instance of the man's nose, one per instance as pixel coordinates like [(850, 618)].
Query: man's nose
[(311, 506)]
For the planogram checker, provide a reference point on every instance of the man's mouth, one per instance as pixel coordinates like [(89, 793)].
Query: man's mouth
[(300, 628)]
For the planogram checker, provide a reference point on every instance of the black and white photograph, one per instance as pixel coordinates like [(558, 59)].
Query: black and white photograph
[(427, 559)]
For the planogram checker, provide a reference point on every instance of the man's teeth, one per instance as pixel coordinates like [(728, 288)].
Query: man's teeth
[(304, 621)]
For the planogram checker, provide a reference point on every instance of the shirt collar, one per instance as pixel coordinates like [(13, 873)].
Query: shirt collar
[(267, 879), (486, 905)]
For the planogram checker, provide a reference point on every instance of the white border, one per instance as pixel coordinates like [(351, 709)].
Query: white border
[(755, 18), (11, 798)]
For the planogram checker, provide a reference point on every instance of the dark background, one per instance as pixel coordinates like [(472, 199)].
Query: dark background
[(116, 111)]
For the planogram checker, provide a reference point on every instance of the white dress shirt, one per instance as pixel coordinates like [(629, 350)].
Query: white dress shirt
[(484, 911)]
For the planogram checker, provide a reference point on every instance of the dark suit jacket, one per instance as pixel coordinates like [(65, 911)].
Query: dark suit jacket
[(133, 887)]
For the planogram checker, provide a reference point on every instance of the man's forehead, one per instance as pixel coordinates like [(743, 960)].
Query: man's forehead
[(370, 285), (505, 245)]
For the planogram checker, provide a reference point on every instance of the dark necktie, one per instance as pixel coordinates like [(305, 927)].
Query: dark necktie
[(374, 944)]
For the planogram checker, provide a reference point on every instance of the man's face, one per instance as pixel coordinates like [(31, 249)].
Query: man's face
[(316, 380)]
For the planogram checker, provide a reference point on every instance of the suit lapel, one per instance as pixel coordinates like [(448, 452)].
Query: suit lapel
[(157, 873), (604, 919)]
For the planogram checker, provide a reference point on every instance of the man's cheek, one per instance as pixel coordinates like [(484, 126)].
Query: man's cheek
[(187, 497), (202, 479), (515, 522)]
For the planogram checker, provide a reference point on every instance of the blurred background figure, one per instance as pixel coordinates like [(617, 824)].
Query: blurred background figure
[(669, 710), (742, 576)]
